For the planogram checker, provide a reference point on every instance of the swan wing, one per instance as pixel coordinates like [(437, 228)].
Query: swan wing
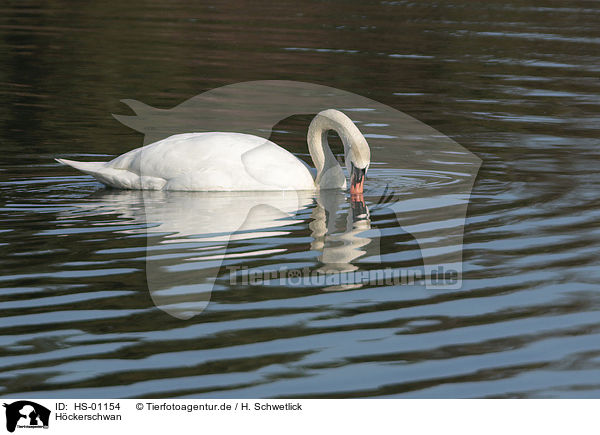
[(272, 165), (215, 161)]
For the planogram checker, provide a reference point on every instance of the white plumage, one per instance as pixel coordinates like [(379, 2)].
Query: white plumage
[(222, 161)]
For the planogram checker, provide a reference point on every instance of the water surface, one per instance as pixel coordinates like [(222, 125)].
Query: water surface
[(516, 83)]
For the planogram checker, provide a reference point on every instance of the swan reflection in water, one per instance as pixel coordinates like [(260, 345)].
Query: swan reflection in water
[(340, 234), (192, 235)]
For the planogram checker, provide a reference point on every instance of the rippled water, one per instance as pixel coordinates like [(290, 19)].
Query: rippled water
[(103, 292)]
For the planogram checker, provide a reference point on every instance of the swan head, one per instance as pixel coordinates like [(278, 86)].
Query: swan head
[(358, 158), (357, 155)]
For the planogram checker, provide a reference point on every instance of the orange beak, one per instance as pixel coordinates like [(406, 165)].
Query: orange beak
[(357, 180)]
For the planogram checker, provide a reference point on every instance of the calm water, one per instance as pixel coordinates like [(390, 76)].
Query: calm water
[(99, 289)]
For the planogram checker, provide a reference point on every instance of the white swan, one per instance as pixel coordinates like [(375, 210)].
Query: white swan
[(221, 161)]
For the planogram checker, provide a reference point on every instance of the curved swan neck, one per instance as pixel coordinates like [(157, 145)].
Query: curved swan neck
[(329, 172)]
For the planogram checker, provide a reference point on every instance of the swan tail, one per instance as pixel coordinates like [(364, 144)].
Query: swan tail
[(86, 167), (115, 177), (95, 169)]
